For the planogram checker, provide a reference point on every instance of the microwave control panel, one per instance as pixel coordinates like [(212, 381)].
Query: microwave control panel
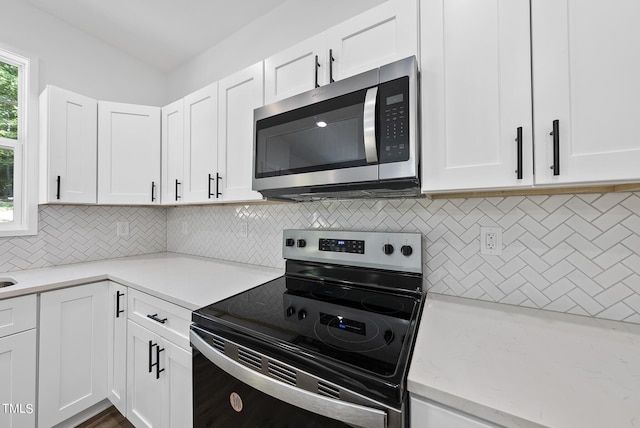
[(393, 125)]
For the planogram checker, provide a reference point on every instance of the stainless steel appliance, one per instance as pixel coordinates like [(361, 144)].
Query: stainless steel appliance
[(326, 345), (354, 138)]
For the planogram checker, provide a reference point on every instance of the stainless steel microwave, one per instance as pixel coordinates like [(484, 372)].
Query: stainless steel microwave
[(353, 138)]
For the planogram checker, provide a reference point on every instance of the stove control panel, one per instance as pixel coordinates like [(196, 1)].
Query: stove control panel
[(382, 250)]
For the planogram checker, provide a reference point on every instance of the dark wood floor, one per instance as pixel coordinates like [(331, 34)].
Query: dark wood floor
[(109, 418)]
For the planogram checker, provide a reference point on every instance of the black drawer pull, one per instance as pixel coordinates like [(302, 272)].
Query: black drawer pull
[(556, 147), (118, 310), (210, 179), (153, 191), (331, 59), (58, 188), (151, 345), (177, 184), (316, 67), (218, 178), (158, 369), (155, 318), (519, 153)]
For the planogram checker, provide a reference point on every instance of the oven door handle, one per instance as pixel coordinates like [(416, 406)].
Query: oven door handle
[(351, 414), (369, 125)]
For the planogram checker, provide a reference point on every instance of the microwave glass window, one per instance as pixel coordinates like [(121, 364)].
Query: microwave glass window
[(327, 135)]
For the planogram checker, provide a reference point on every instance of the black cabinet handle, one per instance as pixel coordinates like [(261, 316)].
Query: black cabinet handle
[(157, 364), (118, 310), (58, 188), (218, 193), (151, 345), (155, 318), (519, 153), (556, 147), (153, 191), (210, 179), (177, 184), (317, 66), (331, 59)]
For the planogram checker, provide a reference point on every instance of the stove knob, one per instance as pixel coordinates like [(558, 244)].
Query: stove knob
[(388, 336), (290, 311), (387, 249), (406, 250), (302, 243), (302, 314), (289, 242)]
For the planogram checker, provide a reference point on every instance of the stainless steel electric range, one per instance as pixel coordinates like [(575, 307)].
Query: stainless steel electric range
[(326, 345)]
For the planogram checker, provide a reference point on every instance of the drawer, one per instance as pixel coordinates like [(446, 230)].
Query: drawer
[(169, 320), (17, 314)]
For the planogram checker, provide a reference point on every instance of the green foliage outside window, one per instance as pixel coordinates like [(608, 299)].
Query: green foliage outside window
[(8, 128)]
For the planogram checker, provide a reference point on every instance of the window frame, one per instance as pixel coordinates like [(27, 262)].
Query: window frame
[(25, 147)]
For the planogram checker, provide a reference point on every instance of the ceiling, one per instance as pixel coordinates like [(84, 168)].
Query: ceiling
[(162, 33)]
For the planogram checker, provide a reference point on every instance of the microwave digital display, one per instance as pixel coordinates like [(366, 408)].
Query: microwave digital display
[(395, 99)]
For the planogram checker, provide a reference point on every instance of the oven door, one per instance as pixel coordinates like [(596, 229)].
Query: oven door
[(228, 393)]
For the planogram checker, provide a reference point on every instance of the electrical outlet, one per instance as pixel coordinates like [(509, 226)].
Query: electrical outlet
[(185, 227), (122, 229), (244, 229), (491, 241)]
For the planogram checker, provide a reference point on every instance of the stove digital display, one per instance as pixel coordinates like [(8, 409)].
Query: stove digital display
[(341, 245), (343, 324)]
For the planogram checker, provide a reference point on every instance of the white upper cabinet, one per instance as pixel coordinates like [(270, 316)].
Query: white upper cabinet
[(173, 153), (297, 69), (68, 147), (586, 64), (376, 37), (200, 144), (128, 153), (239, 94), (481, 63), (379, 36), (476, 94)]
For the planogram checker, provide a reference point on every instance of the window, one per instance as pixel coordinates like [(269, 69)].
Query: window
[(18, 144)]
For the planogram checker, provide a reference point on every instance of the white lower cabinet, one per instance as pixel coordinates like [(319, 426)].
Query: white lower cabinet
[(117, 347), (158, 363), (18, 362), (428, 414), (73, 351)]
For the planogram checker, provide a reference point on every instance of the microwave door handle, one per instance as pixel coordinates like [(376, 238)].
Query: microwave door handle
[(369, 125)]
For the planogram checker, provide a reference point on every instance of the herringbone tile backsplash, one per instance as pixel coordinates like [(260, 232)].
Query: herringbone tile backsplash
[(72, 234), (569, 253)]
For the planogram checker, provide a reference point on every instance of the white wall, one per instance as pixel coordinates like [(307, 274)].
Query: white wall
[(73, 60), (292, 22)]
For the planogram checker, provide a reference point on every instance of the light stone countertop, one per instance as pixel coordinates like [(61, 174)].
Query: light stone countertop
[(521, 367), (189, 281)]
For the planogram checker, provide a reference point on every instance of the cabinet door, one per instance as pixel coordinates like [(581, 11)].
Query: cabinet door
[(18, 385), (296, 70), (476, 93), (423, 413), (144, 387), (172, 153), (69, 147), (117, 347), (73, 351), (585, 75), (240, 94), (177, 402), (201, 144), (128, 154), (379, 36)]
